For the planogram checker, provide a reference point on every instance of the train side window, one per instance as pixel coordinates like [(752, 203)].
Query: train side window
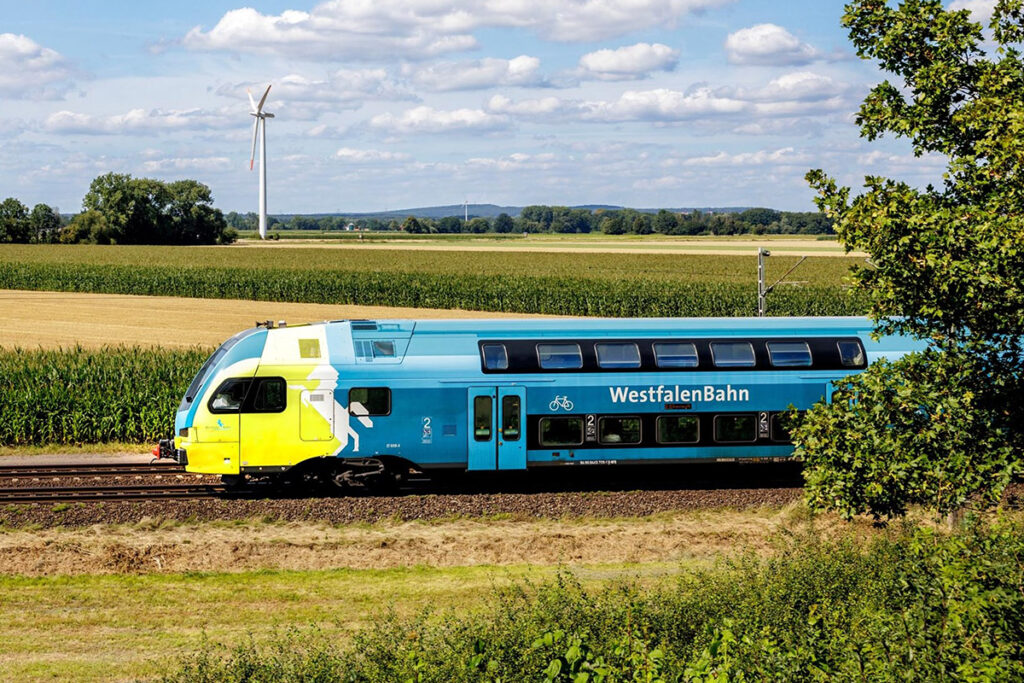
[(619, 430), (618, 355), (675, 355), (495, 357), (510, 418), (733, 354), (270, 395), (228, 397), (560, 356), (482, 418), (561, 431), (735, 428), (790, 354), (375, 400), (383, 349), (851, 353), (678, 429)]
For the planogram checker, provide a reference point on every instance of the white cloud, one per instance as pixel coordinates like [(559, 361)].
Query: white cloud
[(544, 106), (349, 86), (187, 164), (477, 74), (768, 44), (363, 156), (800, 85), (371, 29), (430, 120), (137, 121), (981, 10), (785, 155), (632, 62), (30, 71), (662, 105), (517, 161)]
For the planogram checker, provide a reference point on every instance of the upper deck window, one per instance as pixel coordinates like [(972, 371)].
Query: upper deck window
[(733, 354), (560, 356), (495, 357), (383, 349), (618, 355), (676, 355), (790, 354), (851, 353)]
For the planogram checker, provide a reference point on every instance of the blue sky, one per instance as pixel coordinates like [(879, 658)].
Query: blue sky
[(385, 104)]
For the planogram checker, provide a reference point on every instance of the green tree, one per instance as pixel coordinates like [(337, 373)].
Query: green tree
[(613, 224), (946, 266), (478, 225), (503, 223), (412, 225), (44, 223), (147, 211), (14, 221), (665, 222), (450, 224)]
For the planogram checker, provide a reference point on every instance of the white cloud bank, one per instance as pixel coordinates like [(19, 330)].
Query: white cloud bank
[(430, 120), (416, 29), (476, 75), (137, 122)]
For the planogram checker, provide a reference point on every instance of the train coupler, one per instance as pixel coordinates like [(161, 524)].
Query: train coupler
[(165, 450)]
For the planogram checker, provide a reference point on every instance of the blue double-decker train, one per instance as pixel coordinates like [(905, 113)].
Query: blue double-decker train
[(359, 401)]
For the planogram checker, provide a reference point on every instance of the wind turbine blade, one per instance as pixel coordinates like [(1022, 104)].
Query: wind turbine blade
[(252, 102), (255, 128), (263, 99)]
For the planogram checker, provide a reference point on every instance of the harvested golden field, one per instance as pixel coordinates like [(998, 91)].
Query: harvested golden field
[(60, 319)]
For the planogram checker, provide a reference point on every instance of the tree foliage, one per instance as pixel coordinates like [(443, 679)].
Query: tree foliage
[(946, 266), (14, 223), (120, 209)]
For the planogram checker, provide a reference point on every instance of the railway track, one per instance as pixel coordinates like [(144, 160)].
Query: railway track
[(90, 470), (52, 494), (101, 481)]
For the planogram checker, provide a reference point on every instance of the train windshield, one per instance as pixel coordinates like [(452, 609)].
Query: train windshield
[(207, 368)]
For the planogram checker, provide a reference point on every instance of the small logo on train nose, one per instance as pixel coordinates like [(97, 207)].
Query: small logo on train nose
[(221, 425)]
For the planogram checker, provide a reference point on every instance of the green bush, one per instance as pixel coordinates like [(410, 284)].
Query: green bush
[(919, 606), (92, 396)]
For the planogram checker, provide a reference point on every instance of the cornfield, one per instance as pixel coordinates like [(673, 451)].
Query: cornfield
[(518, 293), (76, 396)]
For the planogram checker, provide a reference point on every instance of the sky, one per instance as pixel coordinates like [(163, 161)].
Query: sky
[(389, 104)]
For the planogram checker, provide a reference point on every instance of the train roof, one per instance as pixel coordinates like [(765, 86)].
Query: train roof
[(547, 326)]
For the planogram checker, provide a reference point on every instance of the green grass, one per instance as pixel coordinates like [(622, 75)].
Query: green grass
[(611, 285), (90, 627)]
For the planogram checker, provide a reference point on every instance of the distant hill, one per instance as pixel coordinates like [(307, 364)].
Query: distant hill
[(492, 210)]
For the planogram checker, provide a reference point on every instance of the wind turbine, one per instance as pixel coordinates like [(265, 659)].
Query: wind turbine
[(259, 126), (465, 206)]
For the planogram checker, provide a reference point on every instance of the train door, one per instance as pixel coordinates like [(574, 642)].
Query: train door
[(496, 429), (511, 428)]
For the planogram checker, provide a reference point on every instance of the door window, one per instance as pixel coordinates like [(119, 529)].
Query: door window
[(510, 418), (482, 418)]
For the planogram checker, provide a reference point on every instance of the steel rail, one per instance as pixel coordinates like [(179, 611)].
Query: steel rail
[(111, 493)]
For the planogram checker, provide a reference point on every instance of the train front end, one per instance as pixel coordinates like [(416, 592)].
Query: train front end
[(206, 439)]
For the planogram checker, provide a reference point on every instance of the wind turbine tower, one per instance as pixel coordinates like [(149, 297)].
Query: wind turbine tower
[(465, 206), (259, 128)]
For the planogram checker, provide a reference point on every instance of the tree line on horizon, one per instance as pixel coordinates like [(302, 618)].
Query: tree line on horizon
[(565, 220)]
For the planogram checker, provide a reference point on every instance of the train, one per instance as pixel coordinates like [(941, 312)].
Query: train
[(364, 403)]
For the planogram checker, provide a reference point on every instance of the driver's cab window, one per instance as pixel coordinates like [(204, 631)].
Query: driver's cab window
[(228, 397)]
